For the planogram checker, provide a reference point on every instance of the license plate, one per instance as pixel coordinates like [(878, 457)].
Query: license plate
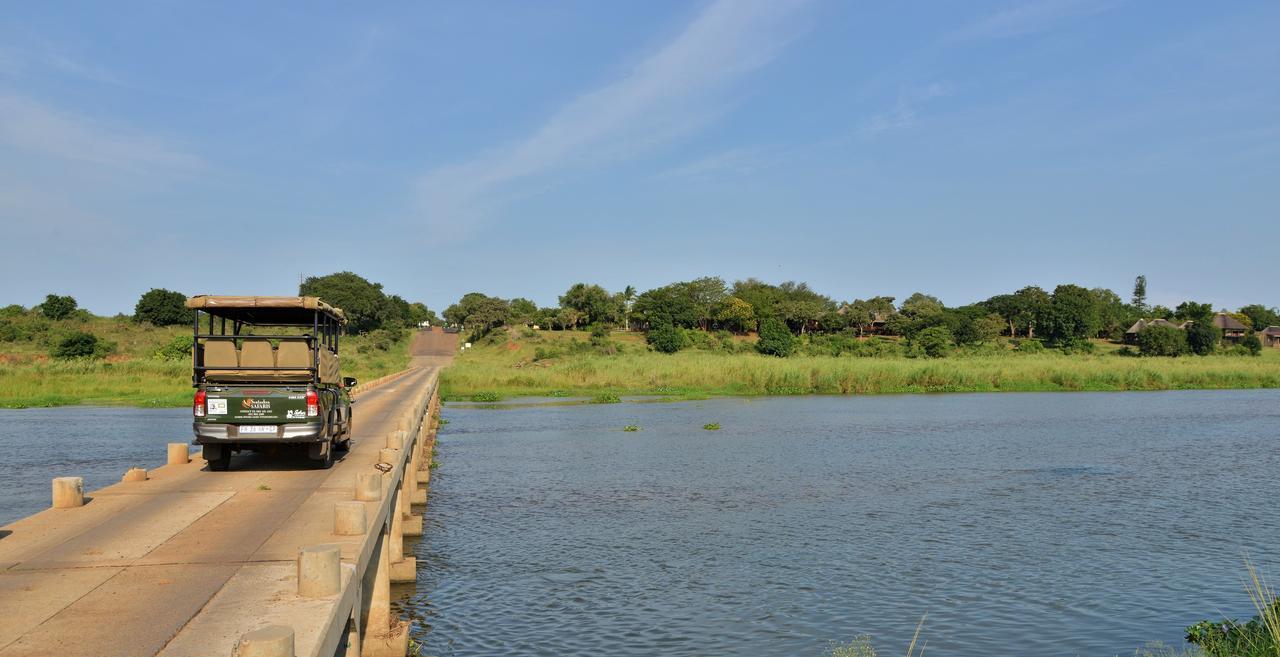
[(252, 428)]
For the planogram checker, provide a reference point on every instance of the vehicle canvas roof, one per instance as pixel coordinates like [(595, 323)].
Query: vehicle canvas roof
[(265, 310)]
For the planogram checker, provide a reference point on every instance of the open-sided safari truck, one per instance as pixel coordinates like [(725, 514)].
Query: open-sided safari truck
[(266, 374)]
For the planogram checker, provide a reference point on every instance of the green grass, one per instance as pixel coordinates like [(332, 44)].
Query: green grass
[(133, 375), (507, 367)]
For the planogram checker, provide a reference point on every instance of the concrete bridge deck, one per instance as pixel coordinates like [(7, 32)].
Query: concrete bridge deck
[(188, 561)]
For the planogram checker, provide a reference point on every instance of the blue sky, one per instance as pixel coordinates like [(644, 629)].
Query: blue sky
[(959, 148)]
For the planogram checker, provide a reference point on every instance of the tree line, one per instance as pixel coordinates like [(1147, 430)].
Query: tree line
[(367, 307), (1067, 317)]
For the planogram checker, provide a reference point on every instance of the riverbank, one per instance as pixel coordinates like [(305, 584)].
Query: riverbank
[(137, 374), (555, 363)]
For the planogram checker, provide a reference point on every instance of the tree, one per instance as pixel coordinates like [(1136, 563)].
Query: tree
[(1114, 316), (735, 315), (1260, 316), (1035, 306), (668, 304), (1192, 311), (932, 342), (1139, 300), (1162, 341), (1072, 316), (593, 303), (1010, 308), (988, 327), (1202, 337), (666, 338), (365, 304), (57, 307), (162, 307), (920, 304), (705, 294), (419, 313), (523, 310), (628, 296), (1253, 344), (479, 312), (775, 338)]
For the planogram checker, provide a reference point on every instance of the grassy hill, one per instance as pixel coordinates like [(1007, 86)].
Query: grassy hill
[(133, 371)]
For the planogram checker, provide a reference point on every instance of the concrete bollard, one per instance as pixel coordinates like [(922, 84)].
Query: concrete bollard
[(134, 474), (68, 492), (418, 497), (412, 526), (349, 518), (319, 571), (395, 440), (179, 454), (369, 487), (389, 456), (269, 641)]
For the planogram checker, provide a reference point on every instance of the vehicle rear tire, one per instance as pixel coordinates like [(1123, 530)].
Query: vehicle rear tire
[(345, 443), (218, 456), (323, 461)]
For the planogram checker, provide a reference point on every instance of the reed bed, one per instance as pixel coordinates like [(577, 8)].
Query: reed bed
[(509, 370)]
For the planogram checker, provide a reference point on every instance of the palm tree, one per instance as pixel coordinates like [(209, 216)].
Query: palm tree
[(628, 295)]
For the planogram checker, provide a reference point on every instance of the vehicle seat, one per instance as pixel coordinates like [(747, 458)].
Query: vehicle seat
[(220, 354), (256, 352), (294, 353)]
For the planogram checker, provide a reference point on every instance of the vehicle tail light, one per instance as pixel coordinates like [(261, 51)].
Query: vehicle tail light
[(313, 403), (198, 404)]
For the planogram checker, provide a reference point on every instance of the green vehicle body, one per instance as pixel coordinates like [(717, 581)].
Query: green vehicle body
[(267, 376)]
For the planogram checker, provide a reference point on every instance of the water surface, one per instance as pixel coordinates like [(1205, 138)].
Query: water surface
[(1024, 524), (97, 443)]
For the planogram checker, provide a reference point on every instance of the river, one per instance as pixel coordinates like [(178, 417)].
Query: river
[(1022, 524)]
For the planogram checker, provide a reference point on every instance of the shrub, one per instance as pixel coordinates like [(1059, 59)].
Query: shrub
[(1030, 346), (178, 348), (598, 330), (81, 345), (486, 396), (933, 342), (1252, 344), (1162, 341), (775, 339), (57, 307), (1202, 337), (666, 338), (544, 353), (162, 307), (712, 426), (606, 398), (12, 310), (699, 339)]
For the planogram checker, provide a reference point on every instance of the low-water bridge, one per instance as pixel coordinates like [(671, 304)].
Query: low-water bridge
[(271, 559)]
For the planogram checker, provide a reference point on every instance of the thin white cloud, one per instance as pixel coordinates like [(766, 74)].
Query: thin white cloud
[(674, 91), (41, 129), (904, 112), (732, 162), (1028, 18)]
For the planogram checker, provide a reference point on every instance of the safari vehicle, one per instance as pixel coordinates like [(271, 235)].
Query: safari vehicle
[(266, 375)]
